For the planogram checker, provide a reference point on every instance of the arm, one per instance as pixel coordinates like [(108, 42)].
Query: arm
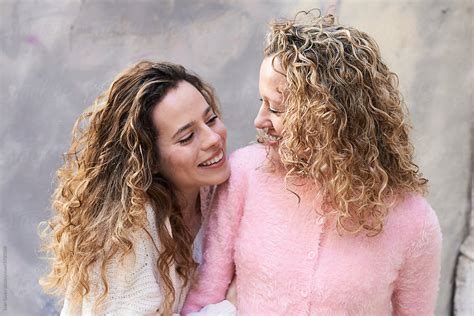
[(134, 288), (417, 285), (217, 269)]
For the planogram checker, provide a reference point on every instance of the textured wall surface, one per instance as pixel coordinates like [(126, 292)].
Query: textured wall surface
[(57, 56)]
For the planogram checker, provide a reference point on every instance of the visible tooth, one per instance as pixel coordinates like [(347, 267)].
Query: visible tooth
[(273, 138), (214, 160)]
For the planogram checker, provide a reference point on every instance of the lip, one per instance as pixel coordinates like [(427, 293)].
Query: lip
[(219, 164), (270, 141), (277, 136), (268, 131)]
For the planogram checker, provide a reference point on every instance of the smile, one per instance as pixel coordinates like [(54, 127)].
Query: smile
[(269, 137), (214, 160), (273, 138)]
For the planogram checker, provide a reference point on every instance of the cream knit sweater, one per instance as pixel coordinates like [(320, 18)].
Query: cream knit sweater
[(134, 283)]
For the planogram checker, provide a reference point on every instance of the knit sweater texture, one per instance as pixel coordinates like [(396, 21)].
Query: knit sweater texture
[(135, 284), (289, 260)]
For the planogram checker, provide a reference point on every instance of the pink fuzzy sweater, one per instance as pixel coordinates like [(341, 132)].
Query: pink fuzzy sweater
[(289, 260)]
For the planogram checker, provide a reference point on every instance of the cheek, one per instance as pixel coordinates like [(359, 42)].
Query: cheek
[(221, 130), (178, 161), (278, 125)]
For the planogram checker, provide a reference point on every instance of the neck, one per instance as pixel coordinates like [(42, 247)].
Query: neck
[(189, 204), (187, 198)]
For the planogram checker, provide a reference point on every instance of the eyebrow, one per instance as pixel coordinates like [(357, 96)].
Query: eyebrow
[(271, 98), (277, 108), (188, 125)]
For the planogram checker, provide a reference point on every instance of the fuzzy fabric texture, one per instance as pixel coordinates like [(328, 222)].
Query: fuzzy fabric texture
[(288, 260)]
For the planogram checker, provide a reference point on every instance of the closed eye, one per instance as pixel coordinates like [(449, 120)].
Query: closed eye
[(274, 111), (186, 140), (270, 108), (212, 120)]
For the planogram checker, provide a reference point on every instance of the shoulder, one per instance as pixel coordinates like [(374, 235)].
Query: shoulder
[(414, 218), (242, 163), (139, 261), (414, 209), (133, 281), (144, 252), (248, 157)]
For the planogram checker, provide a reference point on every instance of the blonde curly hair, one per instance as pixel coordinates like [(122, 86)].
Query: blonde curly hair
[(108, 176), (345, 123)]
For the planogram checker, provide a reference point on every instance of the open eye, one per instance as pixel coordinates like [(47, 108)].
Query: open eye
[(186, 140)]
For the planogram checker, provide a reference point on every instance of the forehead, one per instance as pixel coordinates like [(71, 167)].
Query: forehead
[(271, 80), (181, 105)]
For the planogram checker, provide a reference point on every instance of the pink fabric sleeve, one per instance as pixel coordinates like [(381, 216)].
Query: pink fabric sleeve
[(216, 272), (417, 285)]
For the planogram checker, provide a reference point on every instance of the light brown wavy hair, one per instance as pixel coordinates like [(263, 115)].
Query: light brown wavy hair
[(345, 123), (108, 177)]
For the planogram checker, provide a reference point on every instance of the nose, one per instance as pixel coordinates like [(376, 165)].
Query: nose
[(210, 138), (262, 120)]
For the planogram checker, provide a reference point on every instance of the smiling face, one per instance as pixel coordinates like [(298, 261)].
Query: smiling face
[(270, 116), (191, 139)]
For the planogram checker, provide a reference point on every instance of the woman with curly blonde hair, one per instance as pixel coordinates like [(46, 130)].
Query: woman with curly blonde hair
[(327, 217), (140, 170)]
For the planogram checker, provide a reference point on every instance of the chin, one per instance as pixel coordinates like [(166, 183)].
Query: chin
[(217, 174), (273, 145), (216, 177), (222, 176), (274, 155)]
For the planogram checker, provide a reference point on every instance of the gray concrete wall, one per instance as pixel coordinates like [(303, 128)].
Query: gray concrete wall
[(56, 56)]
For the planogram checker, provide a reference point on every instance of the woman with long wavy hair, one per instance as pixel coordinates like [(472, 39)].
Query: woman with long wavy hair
[(140, 170), (327, 217)]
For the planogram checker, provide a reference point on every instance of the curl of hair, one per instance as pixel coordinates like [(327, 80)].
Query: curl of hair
[(107, 179), (345, 123)]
